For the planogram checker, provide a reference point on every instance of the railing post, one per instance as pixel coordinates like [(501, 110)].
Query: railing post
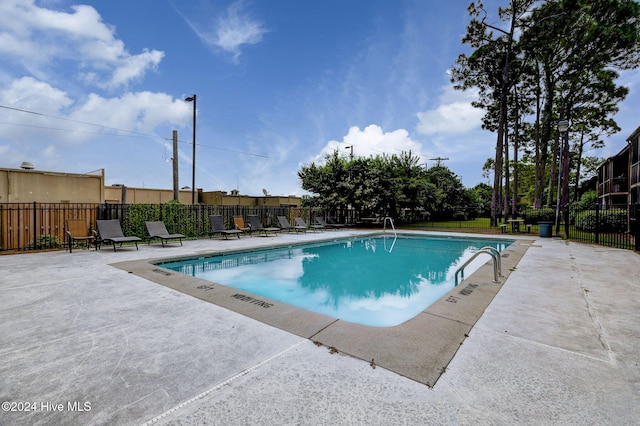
[(36, 244), (597, 224), (636, 226)]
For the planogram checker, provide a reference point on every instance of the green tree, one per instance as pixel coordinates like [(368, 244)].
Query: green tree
[(449, 196), (562, 66), (395, 186), (329, 182), (480, 198), (489, 68)]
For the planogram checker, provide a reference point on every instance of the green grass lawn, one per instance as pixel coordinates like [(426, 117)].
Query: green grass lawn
[(478, 226), (482, 226)]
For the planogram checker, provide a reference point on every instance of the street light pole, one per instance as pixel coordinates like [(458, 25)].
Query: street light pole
[(350, 155), (193, 163), (563, 128)]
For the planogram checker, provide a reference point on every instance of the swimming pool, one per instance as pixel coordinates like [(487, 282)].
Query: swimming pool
[(377, 281)]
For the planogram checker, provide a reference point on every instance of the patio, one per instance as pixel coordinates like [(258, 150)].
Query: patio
[(557, 345)]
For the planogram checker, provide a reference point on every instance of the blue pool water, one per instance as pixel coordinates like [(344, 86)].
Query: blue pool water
[(377, 281)]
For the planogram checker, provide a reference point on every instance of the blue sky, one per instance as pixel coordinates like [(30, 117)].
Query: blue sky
[(279, 83)]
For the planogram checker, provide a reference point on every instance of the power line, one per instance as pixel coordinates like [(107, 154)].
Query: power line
[(132, 132), (71, 120)]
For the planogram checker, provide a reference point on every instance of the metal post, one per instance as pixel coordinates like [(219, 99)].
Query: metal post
[(563, 172), (636, 226), (565, 183), (176, 185), (193, 165)]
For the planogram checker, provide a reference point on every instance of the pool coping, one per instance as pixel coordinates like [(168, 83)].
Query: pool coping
[(419, 349)]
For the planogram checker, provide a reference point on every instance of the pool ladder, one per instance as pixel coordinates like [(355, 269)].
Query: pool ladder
[(384, 225), (497, 263), (395, 234)]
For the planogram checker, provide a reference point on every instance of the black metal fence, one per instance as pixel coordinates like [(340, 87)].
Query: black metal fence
[(41, 226), (613, 226)]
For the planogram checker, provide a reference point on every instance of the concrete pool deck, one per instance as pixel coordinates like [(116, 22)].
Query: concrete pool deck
[(428, 341), (84, 342)]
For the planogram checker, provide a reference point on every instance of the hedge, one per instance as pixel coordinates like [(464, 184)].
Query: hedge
[(609, 220)]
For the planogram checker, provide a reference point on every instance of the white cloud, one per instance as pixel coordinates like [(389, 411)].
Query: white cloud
[(31, 94), (45, 113), (371, 141), (141, 111), (134, 67), (32, 36), (28, 94), (231, 31), (454, 114)]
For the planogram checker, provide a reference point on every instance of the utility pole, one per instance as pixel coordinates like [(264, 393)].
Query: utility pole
[(439, 160)]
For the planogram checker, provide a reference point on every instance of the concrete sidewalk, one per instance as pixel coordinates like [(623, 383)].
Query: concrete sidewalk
[(82, 342)]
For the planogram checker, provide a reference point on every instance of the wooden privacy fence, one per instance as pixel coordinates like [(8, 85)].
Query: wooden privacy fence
[(41, 226)]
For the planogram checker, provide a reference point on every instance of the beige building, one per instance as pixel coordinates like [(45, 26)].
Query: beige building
[(27, 186), (222, 198), (120, 194)]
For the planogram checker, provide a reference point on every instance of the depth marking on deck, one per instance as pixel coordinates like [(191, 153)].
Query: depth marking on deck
[(468, 289), (249, 299), (464, 292)]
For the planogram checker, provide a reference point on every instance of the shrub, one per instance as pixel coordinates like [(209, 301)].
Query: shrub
[(46, 241), (589, 200), (608, 220), (459, 215), (533, 216)]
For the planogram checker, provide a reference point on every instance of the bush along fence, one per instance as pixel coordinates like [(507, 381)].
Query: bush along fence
[(614, 226), (41, 226)]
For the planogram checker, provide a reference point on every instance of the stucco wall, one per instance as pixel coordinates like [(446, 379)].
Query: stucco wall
[(114, 195), (219, 198), (25, 186)]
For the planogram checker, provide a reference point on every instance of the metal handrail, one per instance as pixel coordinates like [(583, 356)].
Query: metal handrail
[(384, 225), (497, 253), (392, 244), (476, 254)]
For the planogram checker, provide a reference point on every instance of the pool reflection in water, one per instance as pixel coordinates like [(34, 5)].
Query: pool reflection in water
[(377, 281)]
